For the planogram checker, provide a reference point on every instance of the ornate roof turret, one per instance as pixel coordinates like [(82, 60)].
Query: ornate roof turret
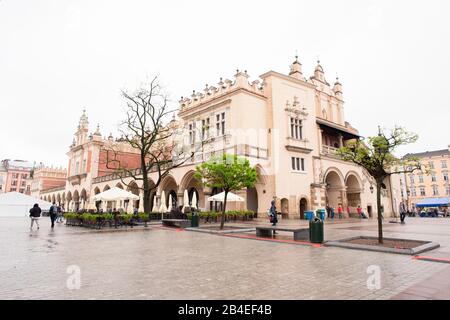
[(296, 69), (337, 88), (84, 123), (319, 74)]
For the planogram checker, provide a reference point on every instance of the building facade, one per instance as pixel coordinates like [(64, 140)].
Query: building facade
[(432, 184), (15, 173), (287, 125), (45, 178)]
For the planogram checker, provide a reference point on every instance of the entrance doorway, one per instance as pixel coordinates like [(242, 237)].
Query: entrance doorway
[(303, 206)]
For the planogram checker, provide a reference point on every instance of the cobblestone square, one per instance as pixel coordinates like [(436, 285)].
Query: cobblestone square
[(160, 263)]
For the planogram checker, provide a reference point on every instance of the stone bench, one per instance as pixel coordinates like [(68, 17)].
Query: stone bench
[(180, 223), (299, 234)]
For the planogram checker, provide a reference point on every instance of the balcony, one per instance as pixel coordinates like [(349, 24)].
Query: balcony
[(329, 150)]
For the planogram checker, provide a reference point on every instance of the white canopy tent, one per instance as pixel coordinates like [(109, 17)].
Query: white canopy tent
[(231, 197), (15, 204), (115, 194)]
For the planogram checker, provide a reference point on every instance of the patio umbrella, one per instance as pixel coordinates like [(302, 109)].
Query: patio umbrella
[(170, 203), (155, 207), (231, 197), (194, 200), (185, 200), (163, 207)]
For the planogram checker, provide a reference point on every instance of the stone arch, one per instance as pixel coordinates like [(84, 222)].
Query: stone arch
[(134, 189), (97, 203), (53, 198), (303, 206), (76, 200), (83, 198), (335, 188), (106, 188), (58, 199), (169, 186), (192, 185), (353, 191), (119, 185), (284, 206), (69, 196)]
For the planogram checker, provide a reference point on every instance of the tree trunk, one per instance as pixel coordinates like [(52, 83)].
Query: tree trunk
[(380, 221), (222, 219), (147, 203)]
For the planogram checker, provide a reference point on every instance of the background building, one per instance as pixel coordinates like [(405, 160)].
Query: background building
[(46, 178), (17, 173), (420, 185), (288, 126)]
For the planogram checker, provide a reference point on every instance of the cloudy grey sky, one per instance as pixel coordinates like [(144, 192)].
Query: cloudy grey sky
[(58, 57)]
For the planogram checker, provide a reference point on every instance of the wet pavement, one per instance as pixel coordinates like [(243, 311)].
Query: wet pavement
[(162, 263)]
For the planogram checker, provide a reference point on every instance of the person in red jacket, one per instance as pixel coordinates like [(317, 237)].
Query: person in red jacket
[(340, 210), (359, 212)]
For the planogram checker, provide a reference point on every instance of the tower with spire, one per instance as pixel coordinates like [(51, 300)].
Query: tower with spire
[(81, 136)]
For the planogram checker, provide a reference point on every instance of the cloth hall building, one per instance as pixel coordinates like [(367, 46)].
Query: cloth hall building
[(287, 125)]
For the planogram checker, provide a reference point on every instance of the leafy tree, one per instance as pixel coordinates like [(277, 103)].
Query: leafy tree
[(377, 157), (228, 172)]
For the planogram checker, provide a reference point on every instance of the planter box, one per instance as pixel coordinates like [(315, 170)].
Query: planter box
[(344, 243)]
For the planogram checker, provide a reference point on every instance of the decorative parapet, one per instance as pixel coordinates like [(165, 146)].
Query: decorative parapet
[(224, 87), (55, 189)]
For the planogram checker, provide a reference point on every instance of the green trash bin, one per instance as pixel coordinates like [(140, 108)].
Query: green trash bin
[(194, 220), (316, 231)]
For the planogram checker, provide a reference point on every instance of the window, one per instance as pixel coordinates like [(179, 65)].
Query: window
[(447, 191), (445, 176), (23, 183), (435, 191), (13, 189), (422, 191), (431, 164), (24, 176), (22, 190), (192, 133), (298, 164), (444, 164), (413, 192), (84, 165), (411, 178), (205, 128), (421, 178), (220, 124), (296, 128), (14, 183), (77, 167), (433, 177)]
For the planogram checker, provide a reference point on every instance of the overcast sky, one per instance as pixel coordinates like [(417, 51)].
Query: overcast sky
[(59, 57)]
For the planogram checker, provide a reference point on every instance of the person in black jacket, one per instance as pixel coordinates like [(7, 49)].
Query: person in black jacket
[(35, 213)]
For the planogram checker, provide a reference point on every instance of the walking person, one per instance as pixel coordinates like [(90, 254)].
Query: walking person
[(273, 215), (340, 210), (402, 213), (328, 211), (53, 213), (359, 209), (332, 212), (35, 213), (59, 215)]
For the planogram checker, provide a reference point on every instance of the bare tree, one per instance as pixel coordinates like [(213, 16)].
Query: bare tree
[(145, 131)]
